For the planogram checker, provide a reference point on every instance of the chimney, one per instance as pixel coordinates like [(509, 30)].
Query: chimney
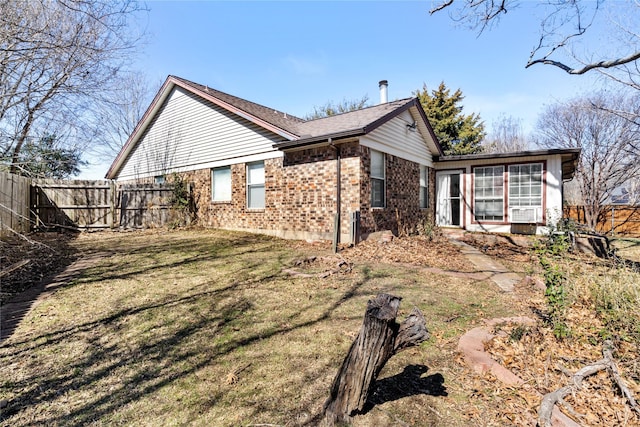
[(383, 91)]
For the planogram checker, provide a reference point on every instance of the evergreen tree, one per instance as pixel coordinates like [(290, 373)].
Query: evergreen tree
[(457, 133), (44, 158)]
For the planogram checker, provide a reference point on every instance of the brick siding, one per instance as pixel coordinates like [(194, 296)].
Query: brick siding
[(402, 213), (300, 195)]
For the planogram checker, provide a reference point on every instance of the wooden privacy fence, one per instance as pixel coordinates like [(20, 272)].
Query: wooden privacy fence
[(615, 219), (14, 203), (80, 204)]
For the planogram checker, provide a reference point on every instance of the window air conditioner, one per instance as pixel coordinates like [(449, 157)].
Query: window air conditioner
[(523, 215)]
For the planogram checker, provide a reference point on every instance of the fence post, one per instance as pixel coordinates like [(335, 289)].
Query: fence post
[(112, 203), (613, 219)]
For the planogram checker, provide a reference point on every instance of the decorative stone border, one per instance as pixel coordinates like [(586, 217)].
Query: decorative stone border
[(471, 345)]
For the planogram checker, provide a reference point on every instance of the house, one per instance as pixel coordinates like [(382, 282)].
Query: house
[(342, 177)]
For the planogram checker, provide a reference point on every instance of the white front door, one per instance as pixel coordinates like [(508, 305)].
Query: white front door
[(448, 198)]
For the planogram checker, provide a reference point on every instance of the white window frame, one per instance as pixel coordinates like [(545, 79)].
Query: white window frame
[(424, 187), (225, 195), (486, 191), (378, 180), (255, 184), (523, 188)]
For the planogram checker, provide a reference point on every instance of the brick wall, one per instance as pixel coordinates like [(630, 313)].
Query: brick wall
[(402, 213), (300, 195)]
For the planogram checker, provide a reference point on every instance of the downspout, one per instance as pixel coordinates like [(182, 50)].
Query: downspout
[(336, 223)]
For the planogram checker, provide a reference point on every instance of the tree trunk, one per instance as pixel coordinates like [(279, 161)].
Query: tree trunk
[(379, 338)]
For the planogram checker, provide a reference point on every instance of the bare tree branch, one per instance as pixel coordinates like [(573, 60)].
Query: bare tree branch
[(440, 7), (600, 64), (57, 60), (562, 26)]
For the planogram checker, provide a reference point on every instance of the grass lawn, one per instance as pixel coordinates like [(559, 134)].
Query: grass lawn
[(204, 328), (627, 248)]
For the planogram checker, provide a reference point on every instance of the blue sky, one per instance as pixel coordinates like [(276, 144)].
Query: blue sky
[(294, 55)]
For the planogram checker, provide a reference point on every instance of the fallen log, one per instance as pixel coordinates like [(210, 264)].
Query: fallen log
[(557, 396), (380, 337), (14, 267)]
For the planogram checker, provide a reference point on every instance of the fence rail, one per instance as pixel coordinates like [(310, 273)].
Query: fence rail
[(100, 204), (26, 204), (614, 220), (14, 204)]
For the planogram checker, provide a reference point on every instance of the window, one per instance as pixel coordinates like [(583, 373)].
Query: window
[(424, 187), (488, 189), (221, 184), (158, 179), (525, 186), (377, 179), (255, 185)]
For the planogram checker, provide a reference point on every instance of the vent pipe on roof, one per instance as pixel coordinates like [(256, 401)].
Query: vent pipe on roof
[(383, 91)]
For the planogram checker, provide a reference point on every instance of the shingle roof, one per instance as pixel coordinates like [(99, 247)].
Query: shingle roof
[(340, 123), (282, 120), (296, 131), (352, 120)]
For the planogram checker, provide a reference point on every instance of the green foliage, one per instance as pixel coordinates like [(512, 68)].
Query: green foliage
[(518, 333), (458, 133), (428, 229), (181, 202), (556, 294), (555, 246), (43, 158), (616, 297), (331, 109), (181, 196)]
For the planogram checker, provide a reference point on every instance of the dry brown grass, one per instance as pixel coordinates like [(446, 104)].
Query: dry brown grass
[(203, 328), (628, 248)]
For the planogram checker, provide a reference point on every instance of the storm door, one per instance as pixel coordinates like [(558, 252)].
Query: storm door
[(449, 198)]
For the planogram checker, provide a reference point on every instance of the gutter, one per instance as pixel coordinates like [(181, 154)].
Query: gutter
[(337, 219), (315, 139)]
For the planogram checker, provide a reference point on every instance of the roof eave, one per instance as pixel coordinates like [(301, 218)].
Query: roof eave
[(139, 129), (303, 142), (574, 152), (233, 109), (159, 99)]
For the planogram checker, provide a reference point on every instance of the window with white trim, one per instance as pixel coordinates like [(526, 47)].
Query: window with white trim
[(255, 185), (525, 191), (488, 193), (377, 179), (221, 184), (424, 187)]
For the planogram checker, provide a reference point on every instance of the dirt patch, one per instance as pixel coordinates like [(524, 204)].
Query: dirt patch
[(415, 250), (27, 260)]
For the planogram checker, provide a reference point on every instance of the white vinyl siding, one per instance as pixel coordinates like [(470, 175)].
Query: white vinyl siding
[(377, 179), (255, 186), (189, 133), (525, 185), (395, 139), (424, 187), (221, 184), (488, 193)]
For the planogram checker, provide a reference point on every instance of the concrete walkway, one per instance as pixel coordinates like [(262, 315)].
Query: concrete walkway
[(487, 266)]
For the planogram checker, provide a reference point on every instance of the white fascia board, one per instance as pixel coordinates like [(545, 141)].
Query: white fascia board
[(389, 149)]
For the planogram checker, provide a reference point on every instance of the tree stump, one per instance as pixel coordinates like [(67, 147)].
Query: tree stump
[(379, 338)]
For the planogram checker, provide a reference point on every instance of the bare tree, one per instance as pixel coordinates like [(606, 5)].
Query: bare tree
[(506, 136), (119, 114), (610, 156), (562, 26), (331, 108), (58, 58)]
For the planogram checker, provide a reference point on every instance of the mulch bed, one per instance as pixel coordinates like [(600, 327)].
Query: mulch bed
[(26, 260)]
